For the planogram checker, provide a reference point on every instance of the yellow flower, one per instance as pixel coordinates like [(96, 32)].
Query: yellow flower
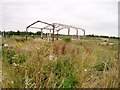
[(18, 45)]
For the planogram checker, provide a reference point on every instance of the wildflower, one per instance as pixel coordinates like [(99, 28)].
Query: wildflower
[(6, 45), (17, 44), (15, 65), (85, 70), (12, 82), (52, 57)]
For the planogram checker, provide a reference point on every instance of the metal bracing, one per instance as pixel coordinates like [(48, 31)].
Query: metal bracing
[(70, 26), (55, 27)]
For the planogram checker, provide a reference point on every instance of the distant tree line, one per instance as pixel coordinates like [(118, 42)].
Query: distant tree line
[(20, 33), (101, 36), (9, 33)]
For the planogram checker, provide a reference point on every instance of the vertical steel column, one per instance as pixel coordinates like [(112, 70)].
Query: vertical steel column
[(26, 33), (84, 33), (50, 35), (77, 33), (68, 31), (41, 34), (53, 33)]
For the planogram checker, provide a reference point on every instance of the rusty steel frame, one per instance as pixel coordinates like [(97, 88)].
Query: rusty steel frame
[(29, 26), (54, 28)]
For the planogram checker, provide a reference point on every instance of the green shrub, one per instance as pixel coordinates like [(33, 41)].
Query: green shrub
[(12, 57), (63, 65), (69, 82), (8, 54), (67, 40), (64, 69)]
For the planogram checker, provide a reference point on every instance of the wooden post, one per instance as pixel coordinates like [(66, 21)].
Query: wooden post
[(57, 35), (53, 33)]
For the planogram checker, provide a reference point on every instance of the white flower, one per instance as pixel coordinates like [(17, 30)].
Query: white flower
[(85, 70), (12, 82), (52, 57), (5, 45), (14, 64)]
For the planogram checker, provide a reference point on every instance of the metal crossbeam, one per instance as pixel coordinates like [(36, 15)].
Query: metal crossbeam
[(68, 26)]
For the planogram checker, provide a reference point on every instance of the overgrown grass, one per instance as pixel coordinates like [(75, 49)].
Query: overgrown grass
[(77, 64)]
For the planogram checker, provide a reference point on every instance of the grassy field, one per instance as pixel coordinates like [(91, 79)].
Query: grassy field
[(66, 63)]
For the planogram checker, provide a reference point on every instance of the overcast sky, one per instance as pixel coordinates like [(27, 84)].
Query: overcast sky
[(98, 17)]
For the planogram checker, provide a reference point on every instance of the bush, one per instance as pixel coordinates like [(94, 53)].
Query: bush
[(69, 82), (64, 69), (67, 40), (63, 65), (8, 54), (11, 56)]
